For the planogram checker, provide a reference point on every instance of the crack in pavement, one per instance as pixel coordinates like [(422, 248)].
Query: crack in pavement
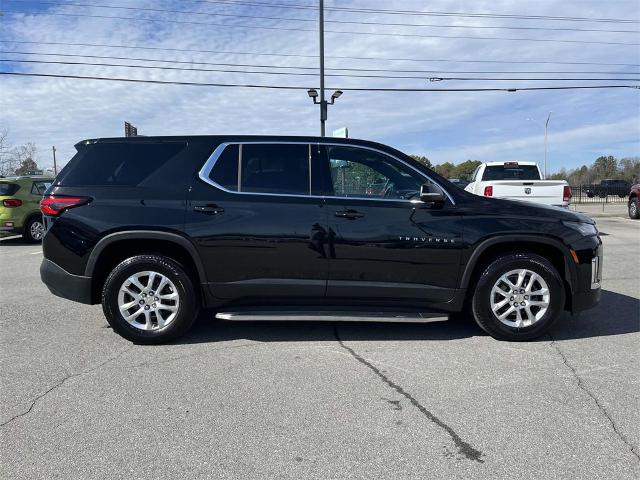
[(464, 448), (59, 384), (583, 387)]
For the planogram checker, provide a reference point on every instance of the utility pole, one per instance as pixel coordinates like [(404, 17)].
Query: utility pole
[(323, 102), (546, 128), (55, 165)]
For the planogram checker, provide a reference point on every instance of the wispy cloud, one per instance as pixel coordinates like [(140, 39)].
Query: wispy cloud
[(443, 126)]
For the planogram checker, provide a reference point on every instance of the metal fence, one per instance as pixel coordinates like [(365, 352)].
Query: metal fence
[(599, 194)]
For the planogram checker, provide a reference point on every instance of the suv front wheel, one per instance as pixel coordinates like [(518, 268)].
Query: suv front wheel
[(518, 297), (149, 299)]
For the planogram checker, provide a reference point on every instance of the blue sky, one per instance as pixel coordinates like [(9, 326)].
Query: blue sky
[(444, 126)]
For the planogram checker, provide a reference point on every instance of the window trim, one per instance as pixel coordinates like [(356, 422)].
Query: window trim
[(208, 165)]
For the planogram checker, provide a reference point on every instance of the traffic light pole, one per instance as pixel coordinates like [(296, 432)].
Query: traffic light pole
[(323, 102)]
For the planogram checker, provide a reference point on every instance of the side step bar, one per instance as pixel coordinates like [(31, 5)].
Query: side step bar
[(330, 316)]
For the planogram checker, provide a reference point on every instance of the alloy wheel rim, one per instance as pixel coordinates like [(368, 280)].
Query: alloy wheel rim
[(36, 230), (520, 298), (632, 208), (148, 301)]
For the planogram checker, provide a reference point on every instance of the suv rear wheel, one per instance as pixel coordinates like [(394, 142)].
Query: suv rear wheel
[(634, 212), (518, 297), (33, 230), (149, 299)]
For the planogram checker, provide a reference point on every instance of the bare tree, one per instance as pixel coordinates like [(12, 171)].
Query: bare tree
[(26, 156), (8, 160)]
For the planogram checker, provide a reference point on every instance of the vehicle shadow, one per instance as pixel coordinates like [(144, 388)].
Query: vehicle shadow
[(616, 314), (598, 322)]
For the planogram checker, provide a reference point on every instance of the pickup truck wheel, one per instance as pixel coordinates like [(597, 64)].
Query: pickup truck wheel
[(518, 297), (149, 299), (634, 212)]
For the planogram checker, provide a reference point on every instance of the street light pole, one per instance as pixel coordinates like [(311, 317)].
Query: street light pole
[(323, 102), (546, 128), (55, 165)]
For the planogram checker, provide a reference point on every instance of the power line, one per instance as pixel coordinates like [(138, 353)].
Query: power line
[(421, 13), (290, 67), (291, 29), (296, 87), (346, 22), (293, 55), (351, 75)]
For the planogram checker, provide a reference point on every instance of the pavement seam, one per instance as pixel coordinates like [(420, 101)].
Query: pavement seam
[(583, 387), (59, 384), (464, 448)]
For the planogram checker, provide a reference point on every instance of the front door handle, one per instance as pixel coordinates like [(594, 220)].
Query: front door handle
[(349, 213), (209, 209)]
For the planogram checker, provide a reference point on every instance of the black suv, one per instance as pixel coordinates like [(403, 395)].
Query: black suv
[(156, 228)]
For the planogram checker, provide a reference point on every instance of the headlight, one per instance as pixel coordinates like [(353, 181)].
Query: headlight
[(586, 229)]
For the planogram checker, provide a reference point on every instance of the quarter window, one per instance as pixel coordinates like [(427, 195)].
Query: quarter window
[(39, 188), (225, 170), (357, 172)]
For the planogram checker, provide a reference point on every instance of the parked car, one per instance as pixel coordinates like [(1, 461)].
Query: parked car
[(609, 187), (634, 195), (518, 181), (156, 228), (20, 206)]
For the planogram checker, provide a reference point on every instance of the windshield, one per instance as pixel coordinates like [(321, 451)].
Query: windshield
[(511, 172)]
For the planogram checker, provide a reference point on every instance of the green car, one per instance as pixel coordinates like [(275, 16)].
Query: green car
[(20, 206)]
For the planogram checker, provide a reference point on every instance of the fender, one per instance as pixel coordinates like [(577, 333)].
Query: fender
[(570, 270), (145, 234)]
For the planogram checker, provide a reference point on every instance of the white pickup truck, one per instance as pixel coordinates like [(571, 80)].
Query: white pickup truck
[(518, 181)]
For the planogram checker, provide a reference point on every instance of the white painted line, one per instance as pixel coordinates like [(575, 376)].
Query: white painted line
[(35, 253)]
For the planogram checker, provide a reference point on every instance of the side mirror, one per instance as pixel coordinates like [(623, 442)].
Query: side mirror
[(436, 199)]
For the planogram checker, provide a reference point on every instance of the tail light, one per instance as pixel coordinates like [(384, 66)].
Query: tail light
[(488, 191), (566, 194), (54, 206), (11, 203)]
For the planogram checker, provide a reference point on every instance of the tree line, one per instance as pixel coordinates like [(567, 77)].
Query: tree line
[(604, 167), (16, 160)]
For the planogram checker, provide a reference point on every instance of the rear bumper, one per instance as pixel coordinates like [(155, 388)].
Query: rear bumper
[(64, 284)]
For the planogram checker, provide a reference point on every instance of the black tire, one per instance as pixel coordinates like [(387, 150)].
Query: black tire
[(634, 208), (31, 228), (188, 306), (481, 302)]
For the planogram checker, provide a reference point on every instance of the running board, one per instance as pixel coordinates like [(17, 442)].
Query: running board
[(330, 316)]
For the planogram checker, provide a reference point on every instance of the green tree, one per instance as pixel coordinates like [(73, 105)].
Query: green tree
[(422, 159), (445, 169), (465, 169), (605, 166)]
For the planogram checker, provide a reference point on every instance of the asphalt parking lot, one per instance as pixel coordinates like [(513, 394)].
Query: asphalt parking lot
[(319, 400)]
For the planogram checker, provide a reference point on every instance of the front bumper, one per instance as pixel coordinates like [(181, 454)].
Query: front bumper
[(64, 284), (589, 286)]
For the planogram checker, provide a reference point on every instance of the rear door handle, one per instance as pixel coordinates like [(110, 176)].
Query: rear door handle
[(209, 209), (349, 213)]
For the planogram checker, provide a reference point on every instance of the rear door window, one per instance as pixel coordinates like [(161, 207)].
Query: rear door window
[(8, 189), (275, 169), (117, 164)]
